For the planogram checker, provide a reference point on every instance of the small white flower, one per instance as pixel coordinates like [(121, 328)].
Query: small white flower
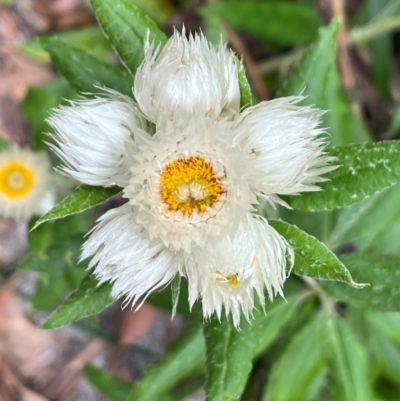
[(169, 81), (192, 186), (25, 187)]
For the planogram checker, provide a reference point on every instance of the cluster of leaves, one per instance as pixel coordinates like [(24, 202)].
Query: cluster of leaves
[(306, 347)]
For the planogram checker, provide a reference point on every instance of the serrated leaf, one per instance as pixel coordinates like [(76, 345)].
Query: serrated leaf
[(244, 86), (310, 75), (126, 28), (89, 299), (312, 257), (277, 23), (84, 197), (298, 367), (348, 361), (184, 358), (383, 274), (363, 170), (109, 385), (85, 72), (230, 351)]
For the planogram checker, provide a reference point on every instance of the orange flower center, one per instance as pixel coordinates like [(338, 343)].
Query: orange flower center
[(190, 185)]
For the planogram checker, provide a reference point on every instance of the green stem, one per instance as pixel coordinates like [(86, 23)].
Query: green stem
[(372, 30)]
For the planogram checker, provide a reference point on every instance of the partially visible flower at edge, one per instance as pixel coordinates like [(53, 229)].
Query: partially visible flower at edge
[(192, 186), (25, 187)]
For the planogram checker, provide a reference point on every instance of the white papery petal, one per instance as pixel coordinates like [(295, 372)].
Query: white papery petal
[(286, 144), (187, 76), (181, 140), (91, 137), (40, 197), (255, 256), (124, 255)]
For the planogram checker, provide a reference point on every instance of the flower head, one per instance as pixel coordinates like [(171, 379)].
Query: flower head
[(169, 81), (192, 185), (24, 183)]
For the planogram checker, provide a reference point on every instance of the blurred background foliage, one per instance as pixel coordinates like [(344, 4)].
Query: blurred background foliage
[(299, 351)]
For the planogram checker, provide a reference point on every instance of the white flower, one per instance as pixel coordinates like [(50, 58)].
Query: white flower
[(192, 186), (91, 138), (169, 81), (25, 187)]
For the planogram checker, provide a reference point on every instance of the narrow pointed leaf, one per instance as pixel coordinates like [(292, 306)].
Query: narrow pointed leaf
[(383, 274), (312, 257), (84, 197), (386, 353), (230, 352), (109, 385), (278, 23), (184, 358), (244, 86), (84, 72), (310, 75), (299, 366), (126, 28), (348, 361), (368, 224), (89, 299), (363, 170)]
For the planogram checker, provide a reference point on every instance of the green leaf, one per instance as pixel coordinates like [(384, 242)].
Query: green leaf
[(36, 108), (276, 23), (63, 252), (57, 265), (50, 287), (363, 170), (84, 197), (84, 71), (386, 322), (230, 351), (382, 273), (126, 28), (348, 361), (40, 239), (244, 86), (370, 224), (89, 299), (3, 144), (386, 354), (312, 257), (158, 10), (345, 127), (109, 385), (184, 358), (301, 364), (311, 74)]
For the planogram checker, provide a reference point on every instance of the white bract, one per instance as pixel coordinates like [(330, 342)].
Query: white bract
[(193, 184), (187, 77), (25, 185)]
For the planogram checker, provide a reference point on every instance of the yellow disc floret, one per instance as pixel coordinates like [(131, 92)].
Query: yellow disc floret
[(16, 179), (190, 185)]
